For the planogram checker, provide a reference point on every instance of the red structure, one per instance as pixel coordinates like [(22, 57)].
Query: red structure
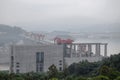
[(62, 41)]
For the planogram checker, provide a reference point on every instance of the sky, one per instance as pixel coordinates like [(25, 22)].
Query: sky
[(49, 15)]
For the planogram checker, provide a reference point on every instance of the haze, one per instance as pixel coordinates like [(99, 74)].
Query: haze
[(65, 15)]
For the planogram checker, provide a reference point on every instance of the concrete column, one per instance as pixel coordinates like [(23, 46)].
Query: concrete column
[(80, 50), (75, 54), (74, 47), (70, 50), (98, 49), (89, 48), (105, 50), (84, 47)]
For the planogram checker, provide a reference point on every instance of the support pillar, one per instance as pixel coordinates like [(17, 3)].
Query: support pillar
[(70, 50), (89, 48), (98, 49), (74, 48), (79, 50), (105, 50)]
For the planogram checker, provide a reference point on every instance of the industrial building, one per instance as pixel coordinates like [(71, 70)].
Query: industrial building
[(35, 58), (38, 58)]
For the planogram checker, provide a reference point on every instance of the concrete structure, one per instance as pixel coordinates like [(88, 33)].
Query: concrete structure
[(77, 52), (38, 58), (84, 49)]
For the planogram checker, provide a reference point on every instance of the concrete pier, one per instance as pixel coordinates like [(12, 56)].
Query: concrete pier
[(86, 49)]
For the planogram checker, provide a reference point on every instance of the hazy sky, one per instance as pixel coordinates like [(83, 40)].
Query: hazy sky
[(59, 14)]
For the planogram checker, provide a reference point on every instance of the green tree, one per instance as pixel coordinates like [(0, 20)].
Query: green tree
[(69, 78), (101, 77), (83, 68), (52, 71), (4, 76), (104, 70), (118, 78), (80, 78), (18, 78), (112, 61), (109, 72)]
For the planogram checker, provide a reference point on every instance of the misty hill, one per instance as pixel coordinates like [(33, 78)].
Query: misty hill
[(98, 28), (59, 33), (11, 30), (9, 34)]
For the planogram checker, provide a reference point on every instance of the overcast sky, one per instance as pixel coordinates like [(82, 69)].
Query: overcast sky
[(59, 14)]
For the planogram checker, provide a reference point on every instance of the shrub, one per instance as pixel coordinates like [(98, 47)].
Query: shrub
[(118, 78), (80, 78), (69, 78), (101, 78)]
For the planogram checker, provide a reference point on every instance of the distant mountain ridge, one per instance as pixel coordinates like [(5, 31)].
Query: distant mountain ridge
[(10, 34), (10, 29)]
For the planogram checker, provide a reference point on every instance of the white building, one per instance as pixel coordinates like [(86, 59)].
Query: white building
[(35, 58), (38, 58)]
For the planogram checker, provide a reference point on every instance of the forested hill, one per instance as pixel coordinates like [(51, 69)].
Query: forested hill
[(10, 29), (9, 34)]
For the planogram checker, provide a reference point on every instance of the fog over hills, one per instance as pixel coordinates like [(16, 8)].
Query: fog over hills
[(69, 27), (9, 34), (13, 34), (101, 28), (11, 29)]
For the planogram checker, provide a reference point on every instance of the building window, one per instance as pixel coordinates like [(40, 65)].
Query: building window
[(40, 57), (39, 61), (12, 61), (17, 71), (12, 58), (60, 68), (41, 69), (17, 64), (60, 62)]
